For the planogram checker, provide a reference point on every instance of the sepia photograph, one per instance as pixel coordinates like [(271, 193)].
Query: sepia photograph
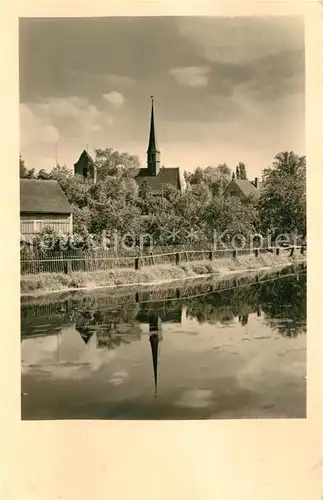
[(163, 248)]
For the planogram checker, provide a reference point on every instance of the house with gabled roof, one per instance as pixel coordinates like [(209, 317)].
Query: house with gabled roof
[(243, 188), (43, 204)]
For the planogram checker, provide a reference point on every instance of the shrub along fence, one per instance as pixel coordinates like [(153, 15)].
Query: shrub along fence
[(69, 261)]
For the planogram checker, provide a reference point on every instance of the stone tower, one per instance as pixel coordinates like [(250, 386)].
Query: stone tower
[(153, 155)]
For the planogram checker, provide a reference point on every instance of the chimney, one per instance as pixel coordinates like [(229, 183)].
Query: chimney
[(256, 183)]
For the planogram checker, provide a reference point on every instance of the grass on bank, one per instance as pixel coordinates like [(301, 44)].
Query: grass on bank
[(47, 282)]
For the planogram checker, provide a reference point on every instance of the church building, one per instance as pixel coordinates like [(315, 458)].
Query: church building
[(153, 177)]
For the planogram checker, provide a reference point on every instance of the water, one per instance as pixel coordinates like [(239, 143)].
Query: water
[(188, 353)]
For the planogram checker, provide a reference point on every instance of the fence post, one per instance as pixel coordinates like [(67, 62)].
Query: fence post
[(152, 258), (277, 251), (178, 258), (137, 263)]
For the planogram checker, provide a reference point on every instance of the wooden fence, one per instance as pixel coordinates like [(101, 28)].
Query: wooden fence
[(103, 260)]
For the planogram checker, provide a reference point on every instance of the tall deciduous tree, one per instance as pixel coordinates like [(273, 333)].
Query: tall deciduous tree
[(283, 199), (215, 178), (110, 162), (242, 171)]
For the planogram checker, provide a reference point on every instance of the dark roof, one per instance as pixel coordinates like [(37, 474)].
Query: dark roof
[(165, 176), (84, 156), (247, 187), (39, 196)]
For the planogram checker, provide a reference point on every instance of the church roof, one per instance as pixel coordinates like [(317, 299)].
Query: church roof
[(40, 196), (165, 176)]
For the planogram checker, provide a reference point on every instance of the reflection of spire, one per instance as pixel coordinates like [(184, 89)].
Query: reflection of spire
[(154, 339), (154, 342), (85, 334)]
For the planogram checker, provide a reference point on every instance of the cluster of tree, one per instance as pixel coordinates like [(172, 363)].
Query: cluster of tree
[(241, 171), (115, 202), (282, 302)]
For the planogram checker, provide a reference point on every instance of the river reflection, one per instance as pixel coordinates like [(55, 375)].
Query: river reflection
[(223, 350)]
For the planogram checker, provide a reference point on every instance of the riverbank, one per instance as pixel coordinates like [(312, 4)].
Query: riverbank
[(39, 284)]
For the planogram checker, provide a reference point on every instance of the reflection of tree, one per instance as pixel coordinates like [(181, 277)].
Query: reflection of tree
[(107, 338), (283, 301), (284, 304), (106, 324), (243, 320)]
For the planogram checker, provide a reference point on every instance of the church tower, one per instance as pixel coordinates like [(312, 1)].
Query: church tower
[(153, 155), (85, 167)]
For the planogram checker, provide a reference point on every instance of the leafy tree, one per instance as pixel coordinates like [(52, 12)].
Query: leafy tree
[(283, 198), (195, 177), (215, 178), (44, 174), (24, 172), (241, 171), (230, 216), (110, 162)]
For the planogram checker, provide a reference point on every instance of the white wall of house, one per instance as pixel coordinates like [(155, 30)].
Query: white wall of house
[(31, 224)]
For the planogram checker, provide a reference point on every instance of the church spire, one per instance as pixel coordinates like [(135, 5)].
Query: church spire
[(153, 155)]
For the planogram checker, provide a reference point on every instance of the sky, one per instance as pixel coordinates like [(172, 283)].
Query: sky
[(226, 89)]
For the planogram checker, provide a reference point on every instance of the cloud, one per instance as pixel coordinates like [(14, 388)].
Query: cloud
[(118, 377), (73, 122), (193, 76), (196, 398), (34, 128), (114, 98), (72, 116), (119, 80), (76, 108), (240, 40)]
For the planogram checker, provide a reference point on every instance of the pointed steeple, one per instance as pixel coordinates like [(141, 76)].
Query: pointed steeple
[(153, 154)]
